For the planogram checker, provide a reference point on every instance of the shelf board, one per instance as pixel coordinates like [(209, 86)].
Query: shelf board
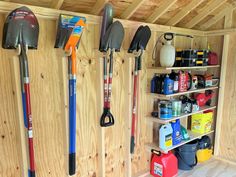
[(162, 121), (193, 136), (161, 69), (183, 93)]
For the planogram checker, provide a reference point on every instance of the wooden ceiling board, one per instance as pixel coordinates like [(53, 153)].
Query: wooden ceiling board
[(213, 14), (142, 13), (173, 11), (83, 6), (193, 13), (41, 3), (119, 6), (146, 10)]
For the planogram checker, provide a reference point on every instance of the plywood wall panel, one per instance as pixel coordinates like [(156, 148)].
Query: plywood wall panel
[(227, 145), (48, 76), (10, 163)]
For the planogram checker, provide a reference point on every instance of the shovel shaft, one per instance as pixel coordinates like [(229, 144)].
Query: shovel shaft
[(73, 61), (110, 80), (30, 128), (28, 111), (132, 144), (105, 81), (72, 114)]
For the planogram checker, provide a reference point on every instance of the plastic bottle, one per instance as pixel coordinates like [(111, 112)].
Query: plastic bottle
[(168, 85), (154, 84), (167, 55), (176, 135), (165, 136)]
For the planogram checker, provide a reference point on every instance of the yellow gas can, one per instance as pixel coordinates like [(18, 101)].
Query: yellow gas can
[(204, 154)]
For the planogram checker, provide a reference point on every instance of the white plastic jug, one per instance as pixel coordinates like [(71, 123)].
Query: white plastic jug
[(167, 55), (165, 136)]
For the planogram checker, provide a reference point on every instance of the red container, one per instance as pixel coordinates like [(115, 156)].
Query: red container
[(212, 58), (163, 165)]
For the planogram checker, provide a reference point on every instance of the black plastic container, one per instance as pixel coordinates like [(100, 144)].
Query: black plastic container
[(202, 53), (189, 57), (178, 58), (186, 155), (202, 58)]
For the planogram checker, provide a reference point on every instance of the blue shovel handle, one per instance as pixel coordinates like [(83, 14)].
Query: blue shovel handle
[(24, 109), (72, 125)]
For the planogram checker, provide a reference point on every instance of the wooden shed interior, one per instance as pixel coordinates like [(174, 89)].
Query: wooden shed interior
[(106, 151)]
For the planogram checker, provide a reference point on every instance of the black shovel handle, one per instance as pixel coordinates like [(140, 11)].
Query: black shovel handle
[(132, 144), (140, 61), (72, 163), (107, 118)]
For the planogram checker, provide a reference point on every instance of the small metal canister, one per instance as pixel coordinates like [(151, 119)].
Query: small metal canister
[(176, 107)]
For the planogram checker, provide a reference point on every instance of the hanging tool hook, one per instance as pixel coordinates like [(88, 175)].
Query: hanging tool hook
[(68, 53), (18, 49), (137, 53)]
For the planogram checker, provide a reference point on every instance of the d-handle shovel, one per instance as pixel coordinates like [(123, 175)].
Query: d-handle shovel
[(107, 118)]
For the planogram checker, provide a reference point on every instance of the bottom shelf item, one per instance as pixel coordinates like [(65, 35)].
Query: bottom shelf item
[(192, 136)]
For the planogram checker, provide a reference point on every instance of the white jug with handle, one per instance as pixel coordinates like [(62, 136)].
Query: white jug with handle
[(167, 53)]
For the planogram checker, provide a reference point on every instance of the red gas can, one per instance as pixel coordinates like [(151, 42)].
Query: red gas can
[(163, 165)]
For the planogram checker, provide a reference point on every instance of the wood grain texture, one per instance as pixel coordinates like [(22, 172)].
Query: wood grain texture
[(226, 145), (180, 13), (10, 151), (48, 76), (212, 168)]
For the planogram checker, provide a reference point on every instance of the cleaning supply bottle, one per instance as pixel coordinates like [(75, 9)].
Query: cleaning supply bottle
[(165, 136), (154, 84), (168, 85), (167, 52), (184, 133), (176, 135), (175, 77)]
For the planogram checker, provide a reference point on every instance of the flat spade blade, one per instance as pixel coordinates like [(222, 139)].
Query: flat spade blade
[(21, 27), (146, 34), (106, 22), (66, 24), (75, 36), (114, 36), (136, 40)]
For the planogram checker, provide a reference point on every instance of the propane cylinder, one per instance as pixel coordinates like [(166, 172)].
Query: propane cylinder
[(167, 52)]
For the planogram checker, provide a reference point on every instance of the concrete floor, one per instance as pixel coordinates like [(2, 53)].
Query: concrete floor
[(211, 168)]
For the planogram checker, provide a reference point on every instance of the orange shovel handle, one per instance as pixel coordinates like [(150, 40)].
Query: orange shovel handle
[(73, 61)]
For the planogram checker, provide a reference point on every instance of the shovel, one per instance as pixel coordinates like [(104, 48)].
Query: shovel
[(22, 29), (112, 41), (106, 22), (69, 33), (138, 44)]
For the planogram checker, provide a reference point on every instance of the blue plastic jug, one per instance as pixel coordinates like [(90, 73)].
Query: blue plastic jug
[(176, 135), (168, 85)]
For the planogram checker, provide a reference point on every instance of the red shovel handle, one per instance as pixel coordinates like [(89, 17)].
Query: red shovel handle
[(30, 131)]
